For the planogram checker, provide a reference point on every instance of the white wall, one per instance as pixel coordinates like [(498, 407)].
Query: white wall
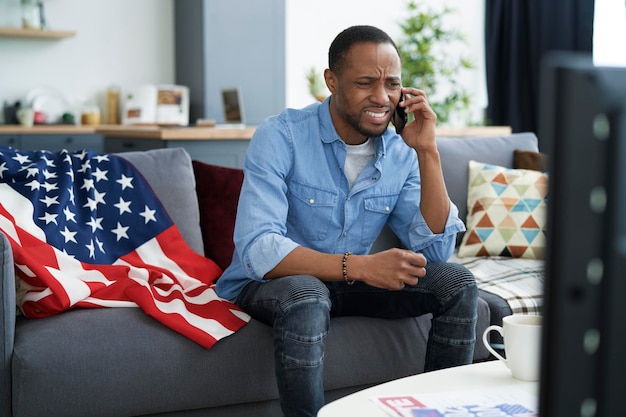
[(122, 42), (128, 42), (311, 27)]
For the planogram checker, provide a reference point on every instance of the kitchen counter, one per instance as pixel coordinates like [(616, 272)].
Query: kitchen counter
[(46, 130), (223, 133), (204, 133), (176, 132), (51, 137), (145, 132)]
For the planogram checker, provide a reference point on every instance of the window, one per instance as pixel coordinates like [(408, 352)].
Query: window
[(609, 33)]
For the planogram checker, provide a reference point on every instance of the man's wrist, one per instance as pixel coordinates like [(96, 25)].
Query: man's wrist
[(427, 150), (344, 269)]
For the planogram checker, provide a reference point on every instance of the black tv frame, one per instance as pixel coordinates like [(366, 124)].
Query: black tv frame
[(583, 129)]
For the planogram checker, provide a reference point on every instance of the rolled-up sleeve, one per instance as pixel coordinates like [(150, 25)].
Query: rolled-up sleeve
[(436, 247), (265, 253), (410, 226), (260, 229)]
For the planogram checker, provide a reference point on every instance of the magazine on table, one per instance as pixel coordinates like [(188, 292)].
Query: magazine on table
[(495, 401)]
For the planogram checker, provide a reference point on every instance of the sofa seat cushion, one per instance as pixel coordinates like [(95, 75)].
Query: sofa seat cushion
[(119, 361)]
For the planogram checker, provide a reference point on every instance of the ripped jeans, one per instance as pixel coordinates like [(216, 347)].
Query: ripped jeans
[(299, 310)]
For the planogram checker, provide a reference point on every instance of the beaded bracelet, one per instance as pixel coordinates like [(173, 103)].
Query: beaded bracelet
[(344, 268)]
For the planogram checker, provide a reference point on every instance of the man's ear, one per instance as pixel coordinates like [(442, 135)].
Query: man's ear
[(331, 81)]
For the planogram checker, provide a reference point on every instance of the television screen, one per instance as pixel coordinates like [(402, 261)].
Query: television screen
[(583, 129)]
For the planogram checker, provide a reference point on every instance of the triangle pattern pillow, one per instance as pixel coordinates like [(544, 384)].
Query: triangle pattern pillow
[(507, 212)]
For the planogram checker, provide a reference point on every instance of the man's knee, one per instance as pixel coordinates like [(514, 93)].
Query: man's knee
[(446, 279), (303, 290), (303, 322)]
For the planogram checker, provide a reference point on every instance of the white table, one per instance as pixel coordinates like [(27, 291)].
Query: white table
[(475, 376)]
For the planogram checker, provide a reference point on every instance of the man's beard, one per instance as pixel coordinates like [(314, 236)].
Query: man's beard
[(368, 133)]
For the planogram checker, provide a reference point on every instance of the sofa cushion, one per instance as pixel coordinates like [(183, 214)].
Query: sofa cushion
[(218, 195), (119, 361), (170, 174), (507, 212), (457, 152)]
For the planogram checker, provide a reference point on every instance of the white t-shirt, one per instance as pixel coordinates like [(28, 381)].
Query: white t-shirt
[(358, 156)]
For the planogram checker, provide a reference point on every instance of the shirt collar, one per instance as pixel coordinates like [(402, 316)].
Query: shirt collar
[(329, 134)]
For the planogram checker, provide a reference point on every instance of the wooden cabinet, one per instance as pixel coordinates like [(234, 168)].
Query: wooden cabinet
[(228, 152), (10, 140), (217, 146), (53, 142), (57, 142), (116, 145)]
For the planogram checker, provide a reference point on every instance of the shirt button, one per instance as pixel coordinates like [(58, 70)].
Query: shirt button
[(311, 201), (387, 208)]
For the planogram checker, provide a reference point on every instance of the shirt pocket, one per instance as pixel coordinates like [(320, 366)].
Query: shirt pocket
[(375, 215), (310, 210)]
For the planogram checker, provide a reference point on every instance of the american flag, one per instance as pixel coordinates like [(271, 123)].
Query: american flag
[(87, 231)]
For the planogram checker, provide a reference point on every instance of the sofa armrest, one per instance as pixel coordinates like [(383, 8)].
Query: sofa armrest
[(7, 323)]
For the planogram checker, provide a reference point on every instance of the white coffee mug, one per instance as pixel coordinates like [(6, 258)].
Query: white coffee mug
[(522, 345), (26, 116)]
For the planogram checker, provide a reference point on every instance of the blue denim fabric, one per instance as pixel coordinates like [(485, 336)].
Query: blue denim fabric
[(299, 309), (295, 193)]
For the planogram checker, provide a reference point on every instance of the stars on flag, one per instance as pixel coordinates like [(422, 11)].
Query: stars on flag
[(126, 182), (84, 201), (148, 214)]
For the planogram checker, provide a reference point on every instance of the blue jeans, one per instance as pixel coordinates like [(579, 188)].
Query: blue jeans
[(299, 310)]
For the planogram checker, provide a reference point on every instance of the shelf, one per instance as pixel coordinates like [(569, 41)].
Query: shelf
[(36, 33)]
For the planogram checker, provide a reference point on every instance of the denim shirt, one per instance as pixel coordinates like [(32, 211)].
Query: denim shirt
[(295, 193)]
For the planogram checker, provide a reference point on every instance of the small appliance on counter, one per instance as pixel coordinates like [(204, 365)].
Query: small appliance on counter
[(10, 112), (49, 104), (164, 104)]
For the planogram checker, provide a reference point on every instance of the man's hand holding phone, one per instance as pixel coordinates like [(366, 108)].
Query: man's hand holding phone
[(420, 133), (399, 117)]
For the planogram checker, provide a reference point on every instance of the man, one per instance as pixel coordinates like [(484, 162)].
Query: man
[(320, 183)]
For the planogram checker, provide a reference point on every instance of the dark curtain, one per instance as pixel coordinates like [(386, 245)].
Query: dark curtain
[(517, 34)]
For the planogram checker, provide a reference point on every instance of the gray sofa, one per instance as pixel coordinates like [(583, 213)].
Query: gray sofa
[(121, 362)]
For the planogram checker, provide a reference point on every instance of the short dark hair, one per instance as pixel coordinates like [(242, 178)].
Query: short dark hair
[(351, 36)]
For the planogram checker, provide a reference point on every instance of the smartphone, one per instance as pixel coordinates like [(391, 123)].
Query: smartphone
[(399, 117)]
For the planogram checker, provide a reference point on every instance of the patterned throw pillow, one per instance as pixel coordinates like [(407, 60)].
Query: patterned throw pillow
[(506, 212)]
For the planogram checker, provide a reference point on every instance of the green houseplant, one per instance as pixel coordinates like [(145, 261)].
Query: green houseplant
[(428, 64), (317, 86)]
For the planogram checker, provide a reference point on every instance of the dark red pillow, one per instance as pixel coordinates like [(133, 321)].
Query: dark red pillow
[(218, 194)]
